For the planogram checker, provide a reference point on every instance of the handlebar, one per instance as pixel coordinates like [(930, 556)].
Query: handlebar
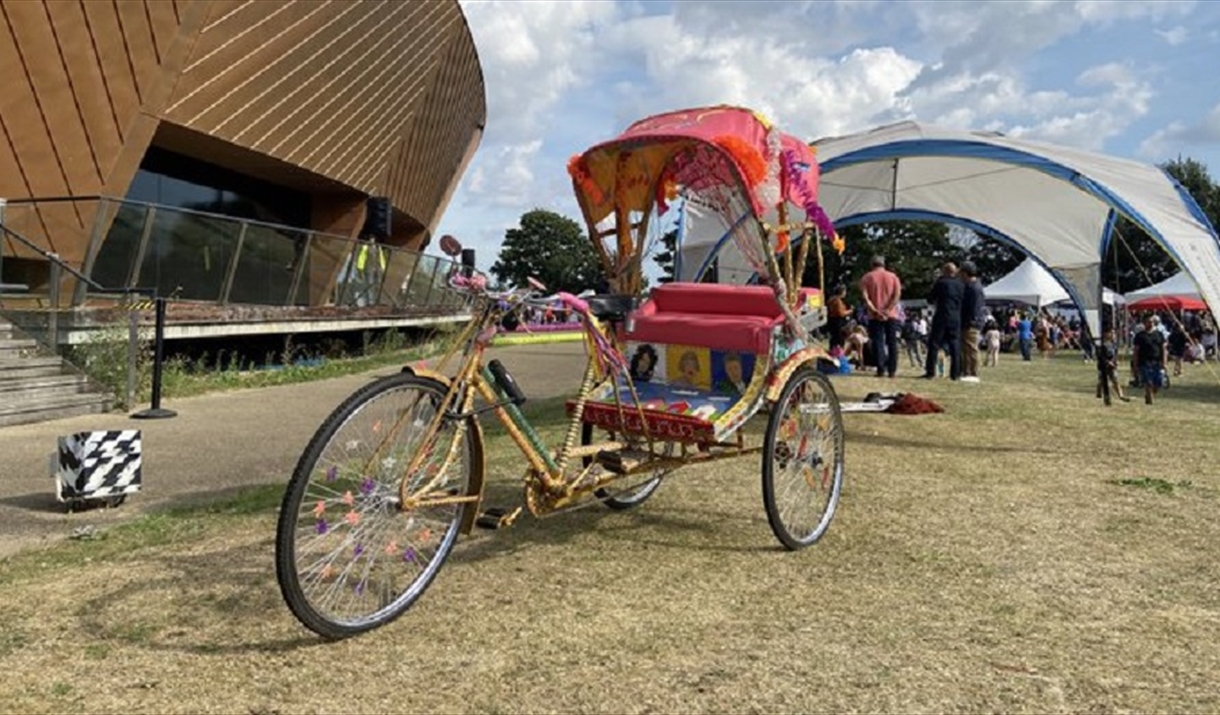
[(476, 285)]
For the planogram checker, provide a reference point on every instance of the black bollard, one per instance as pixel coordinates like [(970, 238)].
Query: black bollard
[(155, 412)]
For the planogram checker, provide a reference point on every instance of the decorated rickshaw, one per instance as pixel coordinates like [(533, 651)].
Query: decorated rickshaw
[(397, 471)]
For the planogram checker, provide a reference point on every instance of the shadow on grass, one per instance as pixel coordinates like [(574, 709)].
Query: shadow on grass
[(692, 529), (44, 502)]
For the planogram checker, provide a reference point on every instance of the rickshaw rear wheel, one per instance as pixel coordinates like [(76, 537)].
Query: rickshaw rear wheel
[(620, 499), (802, 461)]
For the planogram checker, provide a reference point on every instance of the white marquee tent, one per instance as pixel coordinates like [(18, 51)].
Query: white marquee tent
[(1177, 284), (1058, 204), (1031, 284), (1028, 283)]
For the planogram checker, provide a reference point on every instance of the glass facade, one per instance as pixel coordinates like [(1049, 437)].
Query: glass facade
[(170, 236), (205, 257), (170, 179)]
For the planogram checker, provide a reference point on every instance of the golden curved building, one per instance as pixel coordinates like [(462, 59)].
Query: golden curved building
[(288, 112)]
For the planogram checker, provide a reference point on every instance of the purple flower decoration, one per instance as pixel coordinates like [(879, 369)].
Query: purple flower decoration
[(321, 527), (367, 486), (332, 473), (359, 550), (360, 588), (409, 555)]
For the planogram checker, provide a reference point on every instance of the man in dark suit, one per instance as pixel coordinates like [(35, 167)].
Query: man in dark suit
[(974, 316), (946, 332)]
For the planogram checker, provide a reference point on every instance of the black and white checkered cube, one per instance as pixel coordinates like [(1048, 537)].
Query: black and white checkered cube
[(98, 465)]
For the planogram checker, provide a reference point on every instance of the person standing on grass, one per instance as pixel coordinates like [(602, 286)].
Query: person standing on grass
[(974, 317), (1107, 356), (1025, 336), (992, 336), (1150, 354), (838, 312), (1177, 343), (882, 290), (912, 340), (947, 294)]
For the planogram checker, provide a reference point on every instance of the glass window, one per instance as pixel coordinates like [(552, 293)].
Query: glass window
[(171, 179)]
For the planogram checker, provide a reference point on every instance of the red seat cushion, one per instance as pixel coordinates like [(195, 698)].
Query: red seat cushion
[(747, 333), (713, 315), (715, 298)]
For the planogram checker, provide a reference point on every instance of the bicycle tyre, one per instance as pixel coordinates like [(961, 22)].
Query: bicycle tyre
[(619, 500), (344, 578), (790, 476)]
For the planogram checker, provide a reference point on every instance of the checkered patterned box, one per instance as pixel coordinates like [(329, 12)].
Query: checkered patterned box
[(98, 465)]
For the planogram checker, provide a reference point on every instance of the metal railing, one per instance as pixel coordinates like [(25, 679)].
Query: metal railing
[(124, 249), (216, 259)]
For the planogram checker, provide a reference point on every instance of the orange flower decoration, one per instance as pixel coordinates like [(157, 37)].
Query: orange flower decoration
[(578, 169), (752, 164)]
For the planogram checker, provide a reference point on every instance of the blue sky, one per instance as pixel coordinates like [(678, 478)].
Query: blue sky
[(1128, 78)]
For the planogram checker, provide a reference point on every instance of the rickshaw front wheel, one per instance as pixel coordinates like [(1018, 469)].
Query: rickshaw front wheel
[(802, 461), (349, 556)]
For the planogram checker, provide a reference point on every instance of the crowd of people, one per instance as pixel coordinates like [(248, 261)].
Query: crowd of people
[(960, 329), (875, 334)]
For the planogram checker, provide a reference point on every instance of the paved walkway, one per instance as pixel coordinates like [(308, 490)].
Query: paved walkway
[(217, 444)]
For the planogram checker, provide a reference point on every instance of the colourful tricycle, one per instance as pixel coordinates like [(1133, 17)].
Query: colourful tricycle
[(397, 471)]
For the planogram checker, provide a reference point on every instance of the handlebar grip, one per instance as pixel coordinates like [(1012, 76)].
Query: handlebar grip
[(580, 306), (506, 382)]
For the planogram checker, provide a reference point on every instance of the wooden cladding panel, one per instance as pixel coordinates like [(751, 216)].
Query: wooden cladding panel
[(119, 81), (88, 86), (70, 93), (241, 56), (330, 86), (52, 110), (163, 21), (26, 130), (359, 92), (140, 44), (426, 169)]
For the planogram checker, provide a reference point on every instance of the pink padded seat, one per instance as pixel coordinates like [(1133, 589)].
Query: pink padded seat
[(712, 315)]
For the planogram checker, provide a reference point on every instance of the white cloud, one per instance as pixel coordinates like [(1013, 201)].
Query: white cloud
[(1174, 36), (532, 54), (1088, 121), (561, 76), (504, 179), (803, 91), (1178, 136), (1105, 11)]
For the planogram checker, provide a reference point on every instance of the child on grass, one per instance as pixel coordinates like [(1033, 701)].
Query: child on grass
[(1107, 357)]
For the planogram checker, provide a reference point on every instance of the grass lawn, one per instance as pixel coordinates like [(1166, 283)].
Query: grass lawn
[(1029, 550)]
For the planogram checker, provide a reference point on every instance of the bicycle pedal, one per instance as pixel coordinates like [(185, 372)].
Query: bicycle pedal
[(496, 518), (622, 461)]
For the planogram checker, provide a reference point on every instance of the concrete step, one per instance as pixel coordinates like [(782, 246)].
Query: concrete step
[(38, 386), (14, 368), (14, 346), (52, 408)]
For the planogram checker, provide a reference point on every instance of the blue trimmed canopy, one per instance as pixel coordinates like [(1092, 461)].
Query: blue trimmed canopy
[(1058, 204)]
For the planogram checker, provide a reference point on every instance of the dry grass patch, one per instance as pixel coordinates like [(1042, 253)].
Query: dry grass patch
[(1027, 551)]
